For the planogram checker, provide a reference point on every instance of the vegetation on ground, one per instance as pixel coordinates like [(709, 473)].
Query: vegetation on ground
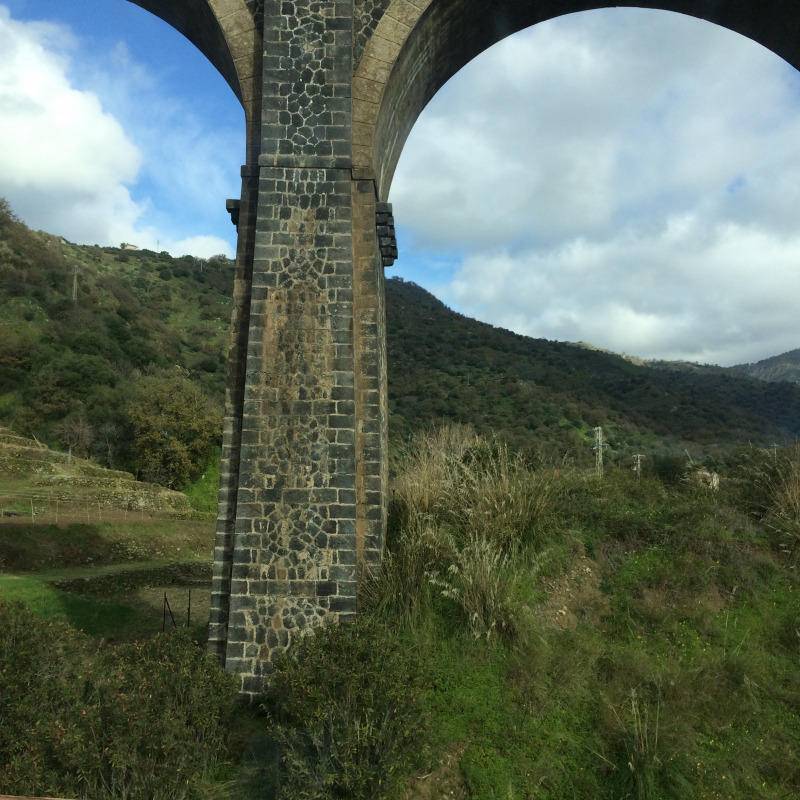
[(142, 720), (175, 429), (534, 632)]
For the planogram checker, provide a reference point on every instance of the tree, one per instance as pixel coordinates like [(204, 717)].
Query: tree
[(76, 433), (175, 430)]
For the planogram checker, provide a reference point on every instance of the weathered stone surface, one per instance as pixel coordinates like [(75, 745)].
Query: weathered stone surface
[(368, 14)]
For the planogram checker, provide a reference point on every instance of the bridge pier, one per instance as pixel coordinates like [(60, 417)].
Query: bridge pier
[(302, 502), (302, 506)]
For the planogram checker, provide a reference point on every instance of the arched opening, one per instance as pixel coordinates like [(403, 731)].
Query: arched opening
[(450, 33), (656, 203)]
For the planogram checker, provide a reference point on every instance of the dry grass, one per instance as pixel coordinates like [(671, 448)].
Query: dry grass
[(402, 583), (782, 488), (425, 472), (481, 582), (465, 507), (457, 480)]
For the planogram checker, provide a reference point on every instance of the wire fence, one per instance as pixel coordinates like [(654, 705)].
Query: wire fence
[(42, 508)]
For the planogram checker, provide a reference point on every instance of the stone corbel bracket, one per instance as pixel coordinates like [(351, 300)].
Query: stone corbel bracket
[(232, 207), (387, 240)]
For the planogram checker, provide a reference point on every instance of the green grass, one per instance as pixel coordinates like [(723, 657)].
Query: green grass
[(684, 686), (671, 673), (33, 547), (204, 491), (33, 557), (96, 617)]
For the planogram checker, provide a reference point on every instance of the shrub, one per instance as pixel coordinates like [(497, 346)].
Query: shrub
[(345, 714), (40, 693), (783, 492), (461, 509), (495, 495), (481, 582), (139, 721)]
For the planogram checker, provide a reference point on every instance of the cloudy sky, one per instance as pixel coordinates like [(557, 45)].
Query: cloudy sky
[(113, 128), (624, 177)]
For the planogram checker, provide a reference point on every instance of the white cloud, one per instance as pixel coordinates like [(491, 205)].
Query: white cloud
[(64, 161), (624, 177), (686, 294), (200, 246), (93, 148)]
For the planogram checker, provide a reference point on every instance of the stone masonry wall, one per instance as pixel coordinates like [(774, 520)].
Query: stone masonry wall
[(293, 554), (370, 380), (234, 402)]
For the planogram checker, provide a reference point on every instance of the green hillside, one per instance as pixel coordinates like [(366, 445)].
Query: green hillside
[(87, 329), (89, 332), (546, 396)]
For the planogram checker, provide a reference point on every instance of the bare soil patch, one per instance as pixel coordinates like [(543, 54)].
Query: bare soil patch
[(444, 782), (574, 596)]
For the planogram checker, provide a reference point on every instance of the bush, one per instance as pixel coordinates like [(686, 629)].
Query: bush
[(462, 509), (779, 485), (139, 721), (345, 714), (175, 430)]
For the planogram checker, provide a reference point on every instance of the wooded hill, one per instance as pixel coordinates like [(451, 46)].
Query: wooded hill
[(97, 343), (89, 332), (547, 396), (785, 367)]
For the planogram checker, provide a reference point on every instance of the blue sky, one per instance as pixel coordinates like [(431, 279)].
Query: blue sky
[(625, 177), (153, 140)]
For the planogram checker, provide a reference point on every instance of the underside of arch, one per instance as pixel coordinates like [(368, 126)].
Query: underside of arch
[(420, 44), (196, 20)]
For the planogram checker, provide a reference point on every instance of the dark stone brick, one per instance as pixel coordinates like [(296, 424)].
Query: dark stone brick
[(343, 605)]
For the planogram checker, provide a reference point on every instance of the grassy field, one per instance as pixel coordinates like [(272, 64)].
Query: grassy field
[(535, 632), (38, 563)]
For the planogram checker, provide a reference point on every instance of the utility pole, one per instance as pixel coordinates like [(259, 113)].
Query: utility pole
[(599, 444), (75, 283), (637, 467)]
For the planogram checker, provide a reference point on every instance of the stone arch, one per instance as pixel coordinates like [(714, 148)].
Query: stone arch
[(420, 44)]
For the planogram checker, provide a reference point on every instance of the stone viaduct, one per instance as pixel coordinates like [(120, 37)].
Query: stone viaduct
[(330, 90)]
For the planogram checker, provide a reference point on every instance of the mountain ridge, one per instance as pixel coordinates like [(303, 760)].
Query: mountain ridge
[(444, 365)]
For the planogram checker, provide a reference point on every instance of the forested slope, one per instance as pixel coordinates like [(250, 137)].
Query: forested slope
[(544, 394), (89, 332)]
